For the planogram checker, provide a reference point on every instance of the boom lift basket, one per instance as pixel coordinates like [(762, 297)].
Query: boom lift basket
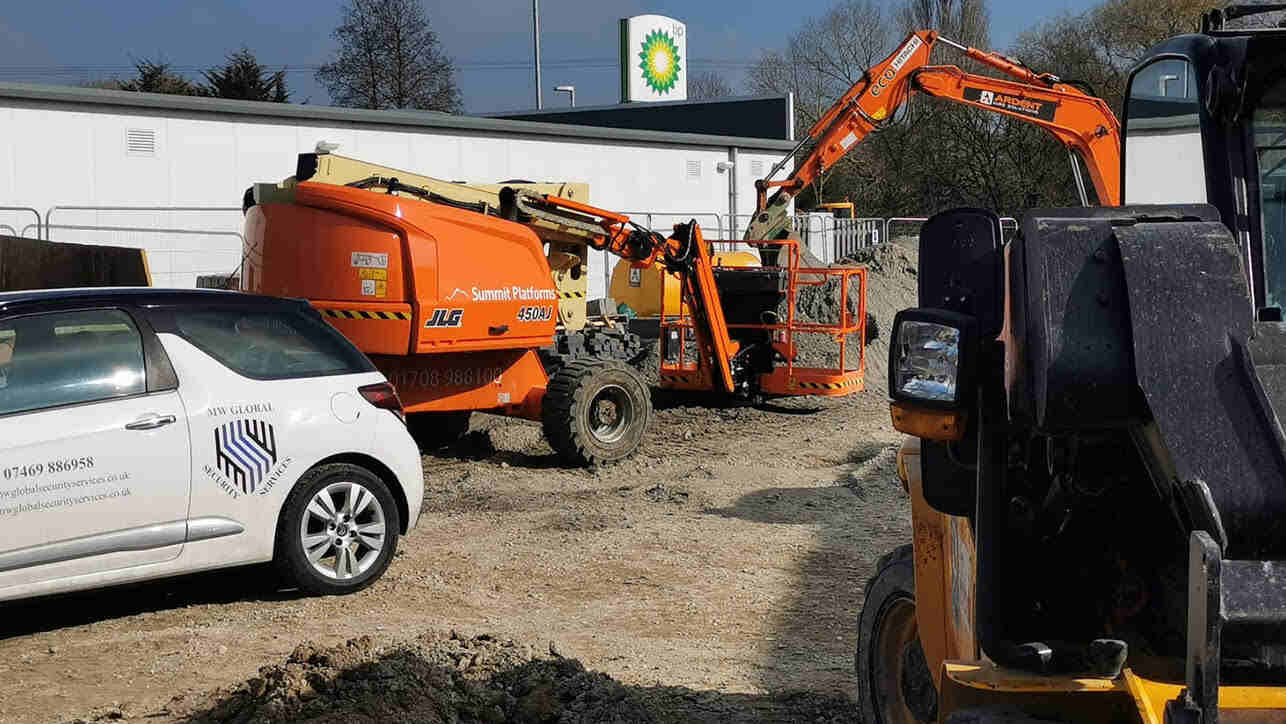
[(751, 297)]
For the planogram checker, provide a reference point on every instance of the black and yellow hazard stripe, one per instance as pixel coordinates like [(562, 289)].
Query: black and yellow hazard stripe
[(828, 385), (680, 379), (572, 295), (361, 314)]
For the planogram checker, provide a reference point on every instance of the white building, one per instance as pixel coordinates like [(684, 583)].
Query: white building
[(167, 173)]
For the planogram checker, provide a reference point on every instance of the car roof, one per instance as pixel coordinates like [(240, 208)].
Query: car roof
[(140, 296)]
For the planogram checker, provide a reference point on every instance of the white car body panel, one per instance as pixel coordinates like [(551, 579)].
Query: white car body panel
[(179, 477)]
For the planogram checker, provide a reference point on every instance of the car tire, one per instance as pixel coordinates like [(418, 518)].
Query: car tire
[(894, 683), (321, 546), (436, 430)]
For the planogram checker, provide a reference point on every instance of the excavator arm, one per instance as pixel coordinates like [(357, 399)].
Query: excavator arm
[(1081, 122)]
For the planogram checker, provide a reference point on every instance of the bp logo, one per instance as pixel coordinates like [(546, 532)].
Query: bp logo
[(660, 61), (245, 451)]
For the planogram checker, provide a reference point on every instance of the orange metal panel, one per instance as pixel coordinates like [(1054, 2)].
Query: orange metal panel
[(375, 328), (927, 423), (509, 382)]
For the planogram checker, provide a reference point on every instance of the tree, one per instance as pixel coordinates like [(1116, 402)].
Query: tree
[(154, 76), (821, 61), (243, 78), (708, 84), (389, 57)]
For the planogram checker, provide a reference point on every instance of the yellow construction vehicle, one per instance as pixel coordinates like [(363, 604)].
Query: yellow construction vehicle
[(1097, 468), (600, 335), (839, 209)]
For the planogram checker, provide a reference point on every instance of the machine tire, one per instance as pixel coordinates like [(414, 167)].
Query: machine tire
[(994, 716), (888, 648), (571, 413), (436, 430), (292, 560)]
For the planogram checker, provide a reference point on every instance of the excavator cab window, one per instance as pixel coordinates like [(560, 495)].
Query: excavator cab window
[(1164, 155), (1268, 121)]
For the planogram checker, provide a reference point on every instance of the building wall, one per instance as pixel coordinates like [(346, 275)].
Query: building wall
[(65, 154)]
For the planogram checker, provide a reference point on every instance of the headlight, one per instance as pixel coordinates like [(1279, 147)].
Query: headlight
[(928, 361), (930, 358)]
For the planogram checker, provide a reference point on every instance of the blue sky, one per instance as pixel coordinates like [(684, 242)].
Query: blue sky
[(490, 40)]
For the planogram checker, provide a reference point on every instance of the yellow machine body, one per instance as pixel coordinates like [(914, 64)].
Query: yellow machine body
[(647, 289), (945, 570)]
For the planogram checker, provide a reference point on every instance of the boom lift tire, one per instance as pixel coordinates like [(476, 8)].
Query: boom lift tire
[(436, 430), (595, 411), (894, 684)]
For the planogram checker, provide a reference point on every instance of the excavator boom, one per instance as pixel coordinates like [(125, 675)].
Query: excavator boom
[(1081, 122)]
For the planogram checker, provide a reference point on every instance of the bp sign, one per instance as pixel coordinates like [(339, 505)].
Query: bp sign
[(654, 60)]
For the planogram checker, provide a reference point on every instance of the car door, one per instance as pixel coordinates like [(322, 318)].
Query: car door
[(94, 451)]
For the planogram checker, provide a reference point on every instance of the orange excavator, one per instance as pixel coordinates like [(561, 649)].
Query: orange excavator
[(455, 305), (1083, 123)]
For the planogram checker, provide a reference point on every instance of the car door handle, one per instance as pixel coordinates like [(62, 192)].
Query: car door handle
[(151, 422)]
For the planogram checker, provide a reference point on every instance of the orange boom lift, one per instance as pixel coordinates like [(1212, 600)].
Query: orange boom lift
[(1083, 123), (456, 305)]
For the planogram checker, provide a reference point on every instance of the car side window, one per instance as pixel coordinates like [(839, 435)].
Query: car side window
[(64, 358), (270, 344)]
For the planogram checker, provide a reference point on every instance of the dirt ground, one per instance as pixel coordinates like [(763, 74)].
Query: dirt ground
[(717, 576)]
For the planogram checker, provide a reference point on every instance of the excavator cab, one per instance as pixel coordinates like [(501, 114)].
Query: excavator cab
[(1098, 467)]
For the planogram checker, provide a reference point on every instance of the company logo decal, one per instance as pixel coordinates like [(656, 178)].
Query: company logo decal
[(245, 451), (247, 460), (514, 293), (899, 60), (1031, 107), (443, 317), (458, 293), (660, 61)]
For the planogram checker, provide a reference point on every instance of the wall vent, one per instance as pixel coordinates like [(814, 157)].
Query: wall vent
[(694, 169), (757, 169), (140, 142)]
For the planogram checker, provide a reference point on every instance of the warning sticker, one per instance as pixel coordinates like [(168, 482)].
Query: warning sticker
[(368, 287), (381, 289), (370, 260), (377, 274), (636, 277)]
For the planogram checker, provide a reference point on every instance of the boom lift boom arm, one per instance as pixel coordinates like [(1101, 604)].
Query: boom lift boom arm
[(1081, 122)]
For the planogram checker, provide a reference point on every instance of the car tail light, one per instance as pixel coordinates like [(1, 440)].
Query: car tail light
[(384, 396)]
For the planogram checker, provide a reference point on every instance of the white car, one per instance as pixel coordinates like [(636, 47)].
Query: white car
[(147, 433)]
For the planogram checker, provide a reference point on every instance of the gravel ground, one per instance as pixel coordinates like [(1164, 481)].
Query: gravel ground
[(715, 577)]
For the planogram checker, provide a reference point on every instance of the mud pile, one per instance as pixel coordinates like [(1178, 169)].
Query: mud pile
[(453, 678), (433, 678)]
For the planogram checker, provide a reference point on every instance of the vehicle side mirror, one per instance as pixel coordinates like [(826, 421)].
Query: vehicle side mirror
[(932, 372)]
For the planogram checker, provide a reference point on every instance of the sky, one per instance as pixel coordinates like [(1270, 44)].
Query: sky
[(490, 41)]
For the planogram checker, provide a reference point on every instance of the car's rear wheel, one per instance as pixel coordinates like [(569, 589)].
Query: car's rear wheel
[(338, 530)]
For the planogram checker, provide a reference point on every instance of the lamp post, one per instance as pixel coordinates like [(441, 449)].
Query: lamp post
[(570, 90), (535, 33)]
